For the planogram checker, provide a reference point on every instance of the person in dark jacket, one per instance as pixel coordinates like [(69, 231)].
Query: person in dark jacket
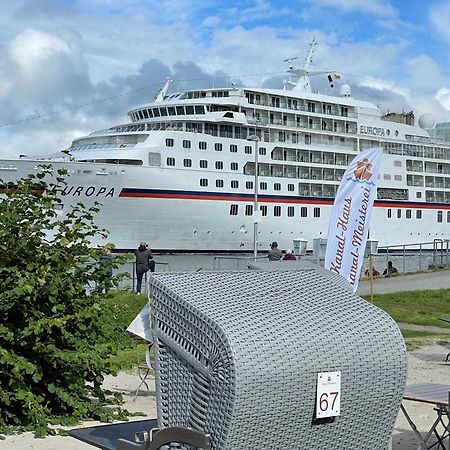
[(144, 263), (390, 269), (274, 252)]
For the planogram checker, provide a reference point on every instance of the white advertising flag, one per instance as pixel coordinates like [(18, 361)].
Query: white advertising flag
[(350, 217)]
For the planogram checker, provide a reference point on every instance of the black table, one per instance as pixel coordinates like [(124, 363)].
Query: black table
[(106, 436), (437, 395), (445, 319)]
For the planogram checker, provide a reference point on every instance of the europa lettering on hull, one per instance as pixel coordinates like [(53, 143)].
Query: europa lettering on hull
[(88, 191), (350, 217)]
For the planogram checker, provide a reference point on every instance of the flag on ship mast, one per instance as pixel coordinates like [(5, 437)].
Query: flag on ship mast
[(350, 216)]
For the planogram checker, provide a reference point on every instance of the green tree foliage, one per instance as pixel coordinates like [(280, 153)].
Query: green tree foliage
[(55, 336)]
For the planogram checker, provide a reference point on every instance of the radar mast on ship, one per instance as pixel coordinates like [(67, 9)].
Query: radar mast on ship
[(159, 97), (302, 83)]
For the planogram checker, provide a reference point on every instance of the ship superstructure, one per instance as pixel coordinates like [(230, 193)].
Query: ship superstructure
[(181, 173)]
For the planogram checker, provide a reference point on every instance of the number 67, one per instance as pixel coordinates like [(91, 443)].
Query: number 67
[(324, 403)]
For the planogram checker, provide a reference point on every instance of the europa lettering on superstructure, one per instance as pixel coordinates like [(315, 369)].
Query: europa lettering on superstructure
[(373, 131)]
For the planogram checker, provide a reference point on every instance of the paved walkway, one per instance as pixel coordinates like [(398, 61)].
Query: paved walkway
[(428, 329), (418, 282)]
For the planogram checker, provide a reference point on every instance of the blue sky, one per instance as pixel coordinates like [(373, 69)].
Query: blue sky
[(69, 67)]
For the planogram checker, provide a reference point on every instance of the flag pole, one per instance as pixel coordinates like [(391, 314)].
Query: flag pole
[(370, 269), (371, 276)]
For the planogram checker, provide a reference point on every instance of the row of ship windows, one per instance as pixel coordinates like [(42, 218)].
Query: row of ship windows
[(430, 167), (408, 215), (313, 173), (428, 181), (218, 147), (203, 164), (150, 113), (421, 151), (327, 190), (318, 157), (393, 148), (290, 212), (291, 103), (248, 185), (277, 211)]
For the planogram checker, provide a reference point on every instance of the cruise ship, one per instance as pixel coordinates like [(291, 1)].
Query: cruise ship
[(193, 171)]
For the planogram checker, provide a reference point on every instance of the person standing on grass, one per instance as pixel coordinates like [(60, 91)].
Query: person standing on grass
[(144, 263)]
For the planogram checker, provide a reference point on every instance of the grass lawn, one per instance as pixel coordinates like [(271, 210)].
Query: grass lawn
[(127, 306), (419, 308)]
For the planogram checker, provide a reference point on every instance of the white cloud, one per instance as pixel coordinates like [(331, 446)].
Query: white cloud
[(443, 97), (33, 47), (44, 69), (439, 13), (210, 22), (423, 73), (377, 7)]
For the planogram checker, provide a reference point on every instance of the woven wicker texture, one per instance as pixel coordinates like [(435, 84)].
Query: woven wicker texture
[(237, 356)]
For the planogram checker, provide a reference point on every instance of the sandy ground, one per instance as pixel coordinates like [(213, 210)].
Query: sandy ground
[(424, 365)]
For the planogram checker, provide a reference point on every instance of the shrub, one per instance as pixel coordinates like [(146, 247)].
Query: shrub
[(55, 336)]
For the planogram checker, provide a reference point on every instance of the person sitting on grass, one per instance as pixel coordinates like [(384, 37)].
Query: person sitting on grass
[(375, 272), (289, 256), (390, 269)]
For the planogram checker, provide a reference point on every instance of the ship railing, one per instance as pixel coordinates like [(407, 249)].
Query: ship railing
[(419, 256), (234, 262), (426, 140), (335, 112), (130, 280)]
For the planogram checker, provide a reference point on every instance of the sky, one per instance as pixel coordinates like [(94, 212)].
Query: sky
[(71, 67)]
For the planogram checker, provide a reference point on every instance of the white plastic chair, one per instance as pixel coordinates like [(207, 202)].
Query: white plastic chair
[(145, 369)]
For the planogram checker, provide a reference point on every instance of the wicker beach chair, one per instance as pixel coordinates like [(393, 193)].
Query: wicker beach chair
[(237, 355)]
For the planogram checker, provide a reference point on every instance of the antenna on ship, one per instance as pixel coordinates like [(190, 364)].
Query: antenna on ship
[(159, 97), (303, 73), (289, 60)]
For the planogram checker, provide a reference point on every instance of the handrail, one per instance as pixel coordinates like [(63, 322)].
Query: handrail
[(439, 247), (236, 258)]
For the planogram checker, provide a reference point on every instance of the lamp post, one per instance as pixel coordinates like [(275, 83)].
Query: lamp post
[(255, 139)]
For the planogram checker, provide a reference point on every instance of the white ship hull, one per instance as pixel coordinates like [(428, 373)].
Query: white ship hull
[(152, 205), (181, 175)]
